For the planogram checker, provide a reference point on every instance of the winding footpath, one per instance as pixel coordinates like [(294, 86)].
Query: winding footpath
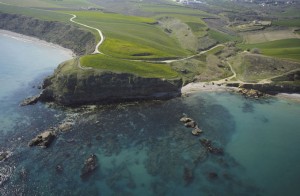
[(98, 30)]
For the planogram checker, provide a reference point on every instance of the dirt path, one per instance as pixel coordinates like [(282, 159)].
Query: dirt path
[(211, 85), (189, 57), (98, 30)]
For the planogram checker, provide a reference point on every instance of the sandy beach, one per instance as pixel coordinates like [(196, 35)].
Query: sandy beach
[(26, 38), (292, 96), (204, 87)]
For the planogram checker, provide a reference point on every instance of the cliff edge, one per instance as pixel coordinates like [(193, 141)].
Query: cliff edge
[(73, 85)]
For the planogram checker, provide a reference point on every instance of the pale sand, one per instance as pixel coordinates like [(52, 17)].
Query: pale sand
[(209, 87), (204, 87), (292, 96), (26, 38)]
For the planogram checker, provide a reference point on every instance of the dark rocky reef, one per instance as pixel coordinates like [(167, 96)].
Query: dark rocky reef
[(44, 139), (270, 88), (210, 148), (72, 85), (250, 93), (78, 40)]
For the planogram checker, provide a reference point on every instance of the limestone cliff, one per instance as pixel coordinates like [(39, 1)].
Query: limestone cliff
[(72, 85), (80, 41)]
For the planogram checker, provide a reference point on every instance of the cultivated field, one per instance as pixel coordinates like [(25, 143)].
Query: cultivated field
[(265, 36), (286, 49), (51, 3)]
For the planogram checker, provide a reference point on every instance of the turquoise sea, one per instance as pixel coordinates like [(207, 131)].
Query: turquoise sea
[(142, 148)]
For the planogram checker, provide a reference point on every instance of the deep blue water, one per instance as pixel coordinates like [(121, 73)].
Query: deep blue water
[(142, 148)]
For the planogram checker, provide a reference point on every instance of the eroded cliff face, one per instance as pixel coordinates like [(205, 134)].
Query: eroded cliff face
[(78, 40), (80, 86)]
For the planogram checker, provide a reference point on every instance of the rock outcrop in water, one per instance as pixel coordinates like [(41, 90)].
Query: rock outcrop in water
[(44, 139), (30, 100), (250, 93), (72, 85), (190, 123)]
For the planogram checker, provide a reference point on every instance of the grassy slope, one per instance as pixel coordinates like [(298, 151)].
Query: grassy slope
[(287, 48), (221, 37), (130, 37), (143, 69)]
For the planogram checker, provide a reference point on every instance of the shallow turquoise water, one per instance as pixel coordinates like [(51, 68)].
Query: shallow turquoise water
[(142, 148)]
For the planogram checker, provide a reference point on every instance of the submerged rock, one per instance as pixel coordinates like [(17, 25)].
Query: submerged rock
[(212, 175), (90, 165), (66, 126), (208, 145), (59, 168), (188, 175), (30, 100), (44, 139)]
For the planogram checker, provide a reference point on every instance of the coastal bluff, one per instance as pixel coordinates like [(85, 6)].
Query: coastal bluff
[(80, 41), (73, 85)]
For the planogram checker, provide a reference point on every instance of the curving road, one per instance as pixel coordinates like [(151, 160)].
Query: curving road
[(98, 30)]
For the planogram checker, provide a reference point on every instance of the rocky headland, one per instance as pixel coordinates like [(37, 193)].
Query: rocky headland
[(73, 85)]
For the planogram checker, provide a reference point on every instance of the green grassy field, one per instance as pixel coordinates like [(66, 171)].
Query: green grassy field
[(143, 69), (131, 37), (287, 48)]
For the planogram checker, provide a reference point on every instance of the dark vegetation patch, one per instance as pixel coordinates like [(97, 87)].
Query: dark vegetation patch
[(142, 54)]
